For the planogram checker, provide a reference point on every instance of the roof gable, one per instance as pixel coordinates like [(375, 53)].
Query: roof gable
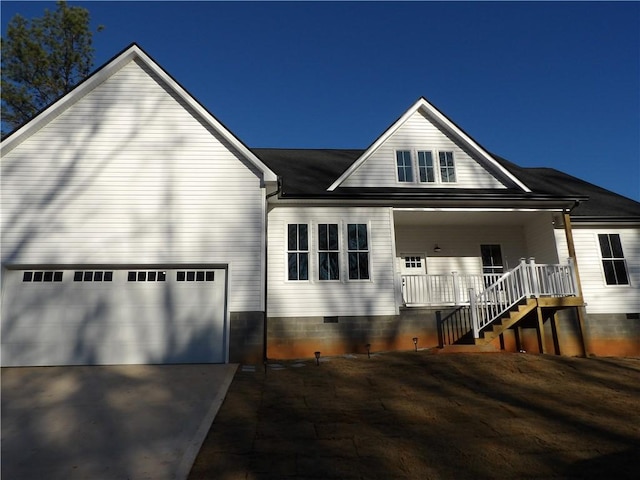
[(130, 54), (455, 133)]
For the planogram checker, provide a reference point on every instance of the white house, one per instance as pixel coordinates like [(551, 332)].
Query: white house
[(136, 228)]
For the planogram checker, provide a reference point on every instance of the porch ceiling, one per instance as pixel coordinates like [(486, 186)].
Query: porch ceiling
[(456, 218)]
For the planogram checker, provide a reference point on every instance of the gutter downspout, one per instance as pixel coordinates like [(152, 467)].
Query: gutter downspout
[(566, 217), (266, 267)]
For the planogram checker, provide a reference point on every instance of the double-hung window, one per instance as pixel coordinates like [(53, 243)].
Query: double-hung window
[(297, 251), (358, 251), (328, 252), (426, 169), (447, 167), (613, 263), (404, 166)]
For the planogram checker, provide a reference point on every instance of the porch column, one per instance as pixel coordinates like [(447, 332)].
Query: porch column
[(566, 217)]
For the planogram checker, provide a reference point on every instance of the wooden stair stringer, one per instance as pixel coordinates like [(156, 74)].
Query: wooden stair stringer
[(507, 321)]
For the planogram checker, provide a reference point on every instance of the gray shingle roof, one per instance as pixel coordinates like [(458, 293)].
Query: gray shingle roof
[(307, 173)]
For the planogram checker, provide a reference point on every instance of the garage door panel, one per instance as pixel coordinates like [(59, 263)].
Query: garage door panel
[(83, 318)]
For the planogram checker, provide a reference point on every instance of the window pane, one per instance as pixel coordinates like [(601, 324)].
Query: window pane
[(27, 276), (303, 266), (605, 247), (403, 162), (447, 170), (322, 237), (362, 237), (48, 276), (151, 276), (292, 236), (353, 266), (108, 276), (77, 276), (162, 276), (37, 276), (88, 276), (616, 246), (352, 230), (191, 276), (57, 277), (333, 266), (621, 272), (363, 263), (303, 242), (609, 272), (210, 277), (180, 276), (97, 277), (333, 236), (293, 266), (142, 276), (323, 266)]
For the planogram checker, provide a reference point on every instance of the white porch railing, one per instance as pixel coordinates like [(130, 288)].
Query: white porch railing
[(530, 279), (443, 289), (527, 280)]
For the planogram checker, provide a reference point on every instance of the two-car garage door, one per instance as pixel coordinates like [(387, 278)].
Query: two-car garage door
[(99, 316)]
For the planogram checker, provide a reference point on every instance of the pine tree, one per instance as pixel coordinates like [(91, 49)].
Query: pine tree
[(42, 59)]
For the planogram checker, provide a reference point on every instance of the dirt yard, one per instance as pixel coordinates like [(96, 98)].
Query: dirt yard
[(418, 415)]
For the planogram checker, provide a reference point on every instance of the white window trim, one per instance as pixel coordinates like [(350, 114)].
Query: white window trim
[(346, 251), (412, 163), (309, 252), (455, 167), (415, 166), (624, 258), (340, 251)]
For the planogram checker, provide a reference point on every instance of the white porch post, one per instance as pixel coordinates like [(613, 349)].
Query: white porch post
[(526, 284), (456, 292), (574, 276), (474, 313), (535, 286)]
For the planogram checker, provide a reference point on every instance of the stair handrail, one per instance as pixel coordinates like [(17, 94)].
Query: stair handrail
[(499, 297), (524, 281)]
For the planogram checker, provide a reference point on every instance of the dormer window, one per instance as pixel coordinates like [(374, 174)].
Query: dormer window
[(405, 167), (447, 168)]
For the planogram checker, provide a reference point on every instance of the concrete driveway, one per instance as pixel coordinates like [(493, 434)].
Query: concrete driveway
[(108, 422)]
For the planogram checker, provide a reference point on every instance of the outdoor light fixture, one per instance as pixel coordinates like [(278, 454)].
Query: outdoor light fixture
[(415, 343), (317, 354), (437, 249), (368, 350)]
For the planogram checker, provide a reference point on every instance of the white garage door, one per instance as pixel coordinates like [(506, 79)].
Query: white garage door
[(103, 316)]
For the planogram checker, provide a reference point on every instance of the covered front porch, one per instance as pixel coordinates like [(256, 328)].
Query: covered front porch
[(483, 271)]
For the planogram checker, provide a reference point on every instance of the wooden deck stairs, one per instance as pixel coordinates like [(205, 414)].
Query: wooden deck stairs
[(508, 320)]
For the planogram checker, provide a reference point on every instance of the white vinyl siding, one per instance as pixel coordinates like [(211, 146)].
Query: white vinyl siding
[(420, 134), (128, 175), (342, 297), (600, 297)]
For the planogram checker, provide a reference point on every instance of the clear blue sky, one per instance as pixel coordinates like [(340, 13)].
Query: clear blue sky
[(541, 84)]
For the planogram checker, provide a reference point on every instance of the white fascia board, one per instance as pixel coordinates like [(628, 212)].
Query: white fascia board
[(107, 71), (374, 146), (67, 100), (269, 175), (422, 103)]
